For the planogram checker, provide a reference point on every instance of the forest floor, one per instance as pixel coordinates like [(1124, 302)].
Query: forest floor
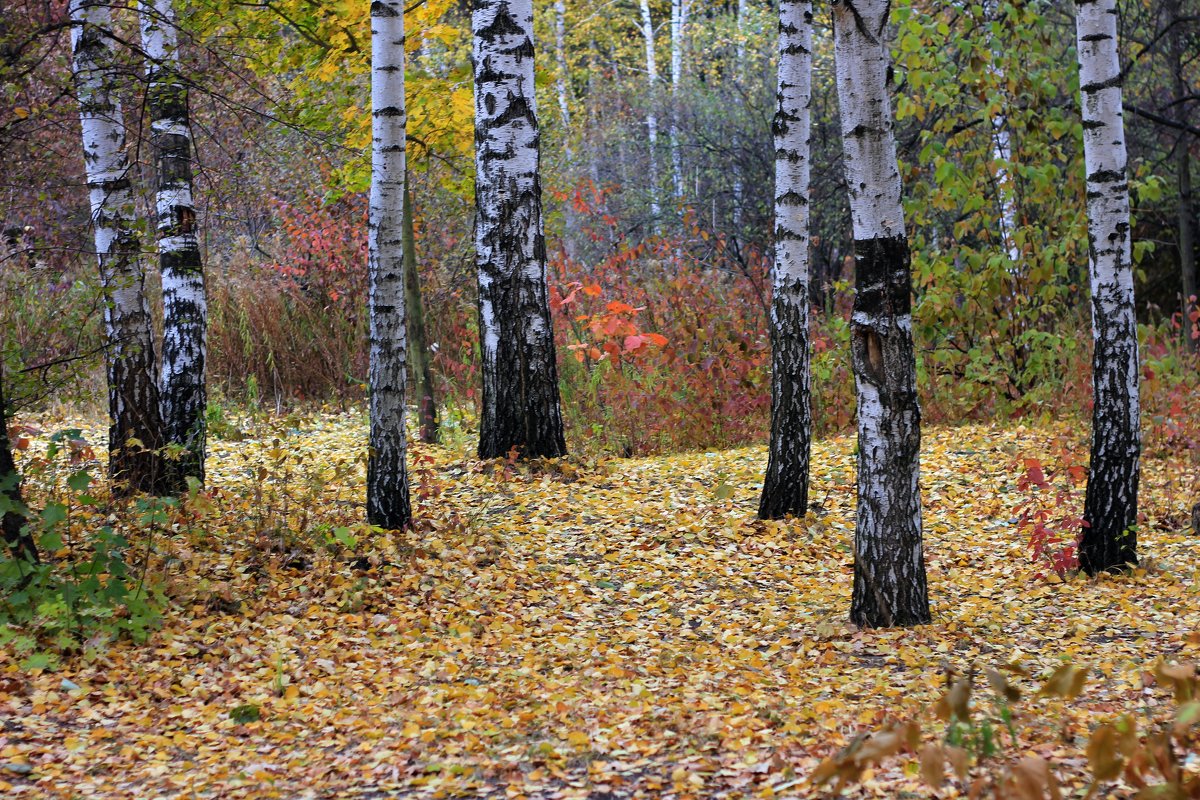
[(583, 629)]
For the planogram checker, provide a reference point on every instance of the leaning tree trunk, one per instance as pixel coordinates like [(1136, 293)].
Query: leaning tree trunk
[(387, 474), (889, 562), (521, 408), (1109, 540), (785, 487), (185, 310), (418, 337), (12, 510), (651, 114), (135, 435)]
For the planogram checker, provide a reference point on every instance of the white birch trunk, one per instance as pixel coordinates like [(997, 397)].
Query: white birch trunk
[(652, 113), (387, 473), (185, 311), (889, 563), (134, 466), (1002, 156), (1109, 539), (785, 487), (521, 408), (679, 17)]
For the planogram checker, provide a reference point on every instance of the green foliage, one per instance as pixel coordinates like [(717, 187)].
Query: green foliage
[(91, 588)]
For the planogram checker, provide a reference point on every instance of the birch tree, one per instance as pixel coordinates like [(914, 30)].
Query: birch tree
[(416, 333), (889, 563), (1109, 539), (785, 487), (651, 112), (135, 436), (521, 408), (185, 311), (679, 19), (387, 474)]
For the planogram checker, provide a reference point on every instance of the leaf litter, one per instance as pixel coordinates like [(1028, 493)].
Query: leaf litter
[(621, 628)]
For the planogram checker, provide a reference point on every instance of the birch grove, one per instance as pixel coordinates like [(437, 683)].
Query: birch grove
[(521, 409), (889, 562), (185, 311), (135, 435), (387, 473), (785, 487), (1109, 539)]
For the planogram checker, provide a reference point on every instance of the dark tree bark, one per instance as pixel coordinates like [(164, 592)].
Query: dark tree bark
[(19, 543), (889, 563), (182, 389), (521, 407), (135, 436), (418, 336), (785, 486), (1109, 540)]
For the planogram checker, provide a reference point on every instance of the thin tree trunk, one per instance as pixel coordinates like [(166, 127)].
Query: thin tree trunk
[(679, 16), (387, 474), (652, 99), (185, 309), (563, 90), (1109, 539), (785, 487), (889, 562), (135, 436), (12, 517), (739, 188), (1186, 211), (521, 408), (422, 363)]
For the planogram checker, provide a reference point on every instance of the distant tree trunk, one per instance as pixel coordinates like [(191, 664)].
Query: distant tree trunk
[(521, 408), (652, 99), (739, 188), (387, 474), (679, 17), (889, 562), (12, 520), (563, 90), (132, 389), (785, 487), (418, 337), (1109, 539), (1183, 165), (185, 310)]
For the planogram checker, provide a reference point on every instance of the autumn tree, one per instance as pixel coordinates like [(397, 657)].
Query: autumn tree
[(185, 310), (785, 487), (521, 408), (889, 563), (1109, 540), (135, 434), (387, 474)]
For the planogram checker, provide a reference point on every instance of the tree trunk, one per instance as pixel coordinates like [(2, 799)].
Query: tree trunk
[(422, 363), (1109, 539), (679, 15), (521, 408), (889, 562), (12, 517), (387, 474), (185, 310), (651, 114), (563, 90), (785, 487), (135, 435), (1186, 211), (739, 187)]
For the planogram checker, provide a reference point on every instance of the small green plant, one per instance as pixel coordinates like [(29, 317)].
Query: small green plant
[(245, 713)]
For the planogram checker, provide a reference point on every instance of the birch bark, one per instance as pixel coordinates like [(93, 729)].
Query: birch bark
[(135, 435), (785, 487), (387, 474), (185, 311), (889, 562), (1109, 539), (679, 18), (651, 113), (521, 408)]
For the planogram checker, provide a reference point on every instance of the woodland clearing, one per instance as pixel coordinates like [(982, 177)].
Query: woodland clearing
[(577, 628)]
